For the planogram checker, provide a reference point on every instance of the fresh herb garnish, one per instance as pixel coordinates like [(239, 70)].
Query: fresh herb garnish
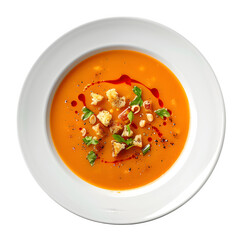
[(89, 140), (138, 99), (163, 112), (129, 147), (128, 128), (130, 117), (91, 157), (146, 149), (87, 113), (120, 139)]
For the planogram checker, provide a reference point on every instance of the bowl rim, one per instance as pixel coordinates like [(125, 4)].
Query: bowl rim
[(223, 129)]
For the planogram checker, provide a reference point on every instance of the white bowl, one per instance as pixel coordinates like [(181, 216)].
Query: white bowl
[(186, 176)]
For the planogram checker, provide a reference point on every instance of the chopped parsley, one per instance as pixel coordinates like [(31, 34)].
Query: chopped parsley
[(163, 112), (120, 139), (87, 113), (89, 140), (130, 117), (91, 157), (138, 99)]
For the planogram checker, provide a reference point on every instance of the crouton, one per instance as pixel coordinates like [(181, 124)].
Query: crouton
[(117, 148), (114, 99), (104, 117), (116, 128), (96, 98), (137, 141), (126, 133), (98, 130)]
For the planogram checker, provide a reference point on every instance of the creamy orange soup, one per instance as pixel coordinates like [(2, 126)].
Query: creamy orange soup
[(119, 119)]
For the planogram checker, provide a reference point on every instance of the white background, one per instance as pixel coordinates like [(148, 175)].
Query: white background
[(27, 28)]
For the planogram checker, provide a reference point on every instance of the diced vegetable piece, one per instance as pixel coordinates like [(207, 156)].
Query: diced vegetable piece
[(135, 109), (146, 149), (147, 105), (124, 115)]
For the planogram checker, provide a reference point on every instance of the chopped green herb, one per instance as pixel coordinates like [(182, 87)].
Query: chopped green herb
[(129, 141), (138, 99), (146, 149), (120, 139), (87, 113), (129, 147), (130, 117), (89, 140), (163, 112), (91, 157), (128, 128)]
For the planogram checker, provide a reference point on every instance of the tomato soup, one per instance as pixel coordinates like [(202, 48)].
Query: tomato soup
[(119, 119)]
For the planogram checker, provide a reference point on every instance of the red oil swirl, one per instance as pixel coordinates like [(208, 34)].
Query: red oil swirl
[(127, 80), (82, 98), (149, 139), (157, 131), (120, 160)]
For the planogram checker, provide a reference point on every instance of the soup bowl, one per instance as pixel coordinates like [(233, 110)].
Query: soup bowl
[(188, 173)]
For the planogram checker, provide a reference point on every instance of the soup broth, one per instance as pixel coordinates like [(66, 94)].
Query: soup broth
[(119, 119)]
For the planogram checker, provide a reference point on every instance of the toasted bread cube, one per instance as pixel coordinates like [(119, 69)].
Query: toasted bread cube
[(114, 99), (126, 133), (117, 148), (116, 128), (104, 117), (98, 130), (137, 141), (96, 98)]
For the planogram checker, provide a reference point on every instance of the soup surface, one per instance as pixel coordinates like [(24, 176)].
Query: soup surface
[(119, 119)]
